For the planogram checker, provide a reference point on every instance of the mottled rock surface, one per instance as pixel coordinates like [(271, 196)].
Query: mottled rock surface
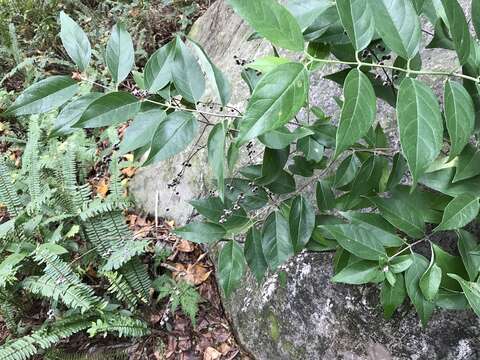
[(299, 313)]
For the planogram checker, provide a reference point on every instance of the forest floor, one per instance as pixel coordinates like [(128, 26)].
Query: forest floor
[(210, 338)]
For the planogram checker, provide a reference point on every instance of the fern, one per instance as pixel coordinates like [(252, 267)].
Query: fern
[(8, 310), (121, 325), (99, 355), (121, 289), (9, 267), (59, 282), (125, 253), (27, 346), (8, 195), (31, 162)]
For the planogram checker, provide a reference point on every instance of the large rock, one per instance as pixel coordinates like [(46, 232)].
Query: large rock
[(300, 314)]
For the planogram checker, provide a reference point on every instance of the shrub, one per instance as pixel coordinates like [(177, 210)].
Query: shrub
[(375, 206)]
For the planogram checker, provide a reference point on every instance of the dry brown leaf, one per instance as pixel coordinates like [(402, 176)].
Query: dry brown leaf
[(170, 223), (129, 171), (102, 188), (185, 246), (211, 354), (225, 348), (193, 274), (128, 157)]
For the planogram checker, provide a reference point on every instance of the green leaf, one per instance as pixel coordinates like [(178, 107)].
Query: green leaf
[(325, 196), (449, 264), (187, 75), (458, 29), (430, 281), (459, 116), (254, 254), (158, 70), (359, 240), (459, 212), (253, 199), (311, 148), (71, 113), (216, 155), (400, 263), (467, 244), (231, 265), (368, 178), (276, 243), (75, 41), (420, 125), (358, 111), (282, 137), (213, 209), (357, 19), (44, 96), (359, 272), (402, 214), (266, 64), (399, 168), (284, 184), (397, 23), (140, 132), (278, 96), (272, 166), (451, 300), (392, 297), (219, 81), (272, 21), (306, 11), (302, 223), (468, 164), (201, 233), (173, 135), (110, 109), (412, 281), (120, 55), (346, 171), (472, 292)]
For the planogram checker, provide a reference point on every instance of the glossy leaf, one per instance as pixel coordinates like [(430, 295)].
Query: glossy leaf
[(202, 233), (475, 10), (216, 155), (44, 96), (302, 223), (472, 292), (401, 214), (459, 116), (140, 132), (159, 67), (120, 55), (467, 244), (75, 41), (266, 64), (420, 125), (468, 164), (272, 21), (172, 136), (278, 96), (276, 243), (449, 264), (71, 113), (430, 281), (306, 11), (110, 109), (359, 272), (325, 196), (459, 212), (216, 77), (213, 208), (186, 73), (311, 148), (392, 297), (358, 240), (458, 29), (358, 111), (399, 167), (280, 138), (357, 19), (272, 166), (254, 254), (412, 282), (397, 23), (400, 263), (231, 265)]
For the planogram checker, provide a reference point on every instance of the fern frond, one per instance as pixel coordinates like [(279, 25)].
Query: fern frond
[(28, 346), (137, 277), (107, 354), (9, 267), (99, 207), (31, 162), (121, 325), (124, 254), (60, 282), (120, 289), (8, 311), (8, 195)]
